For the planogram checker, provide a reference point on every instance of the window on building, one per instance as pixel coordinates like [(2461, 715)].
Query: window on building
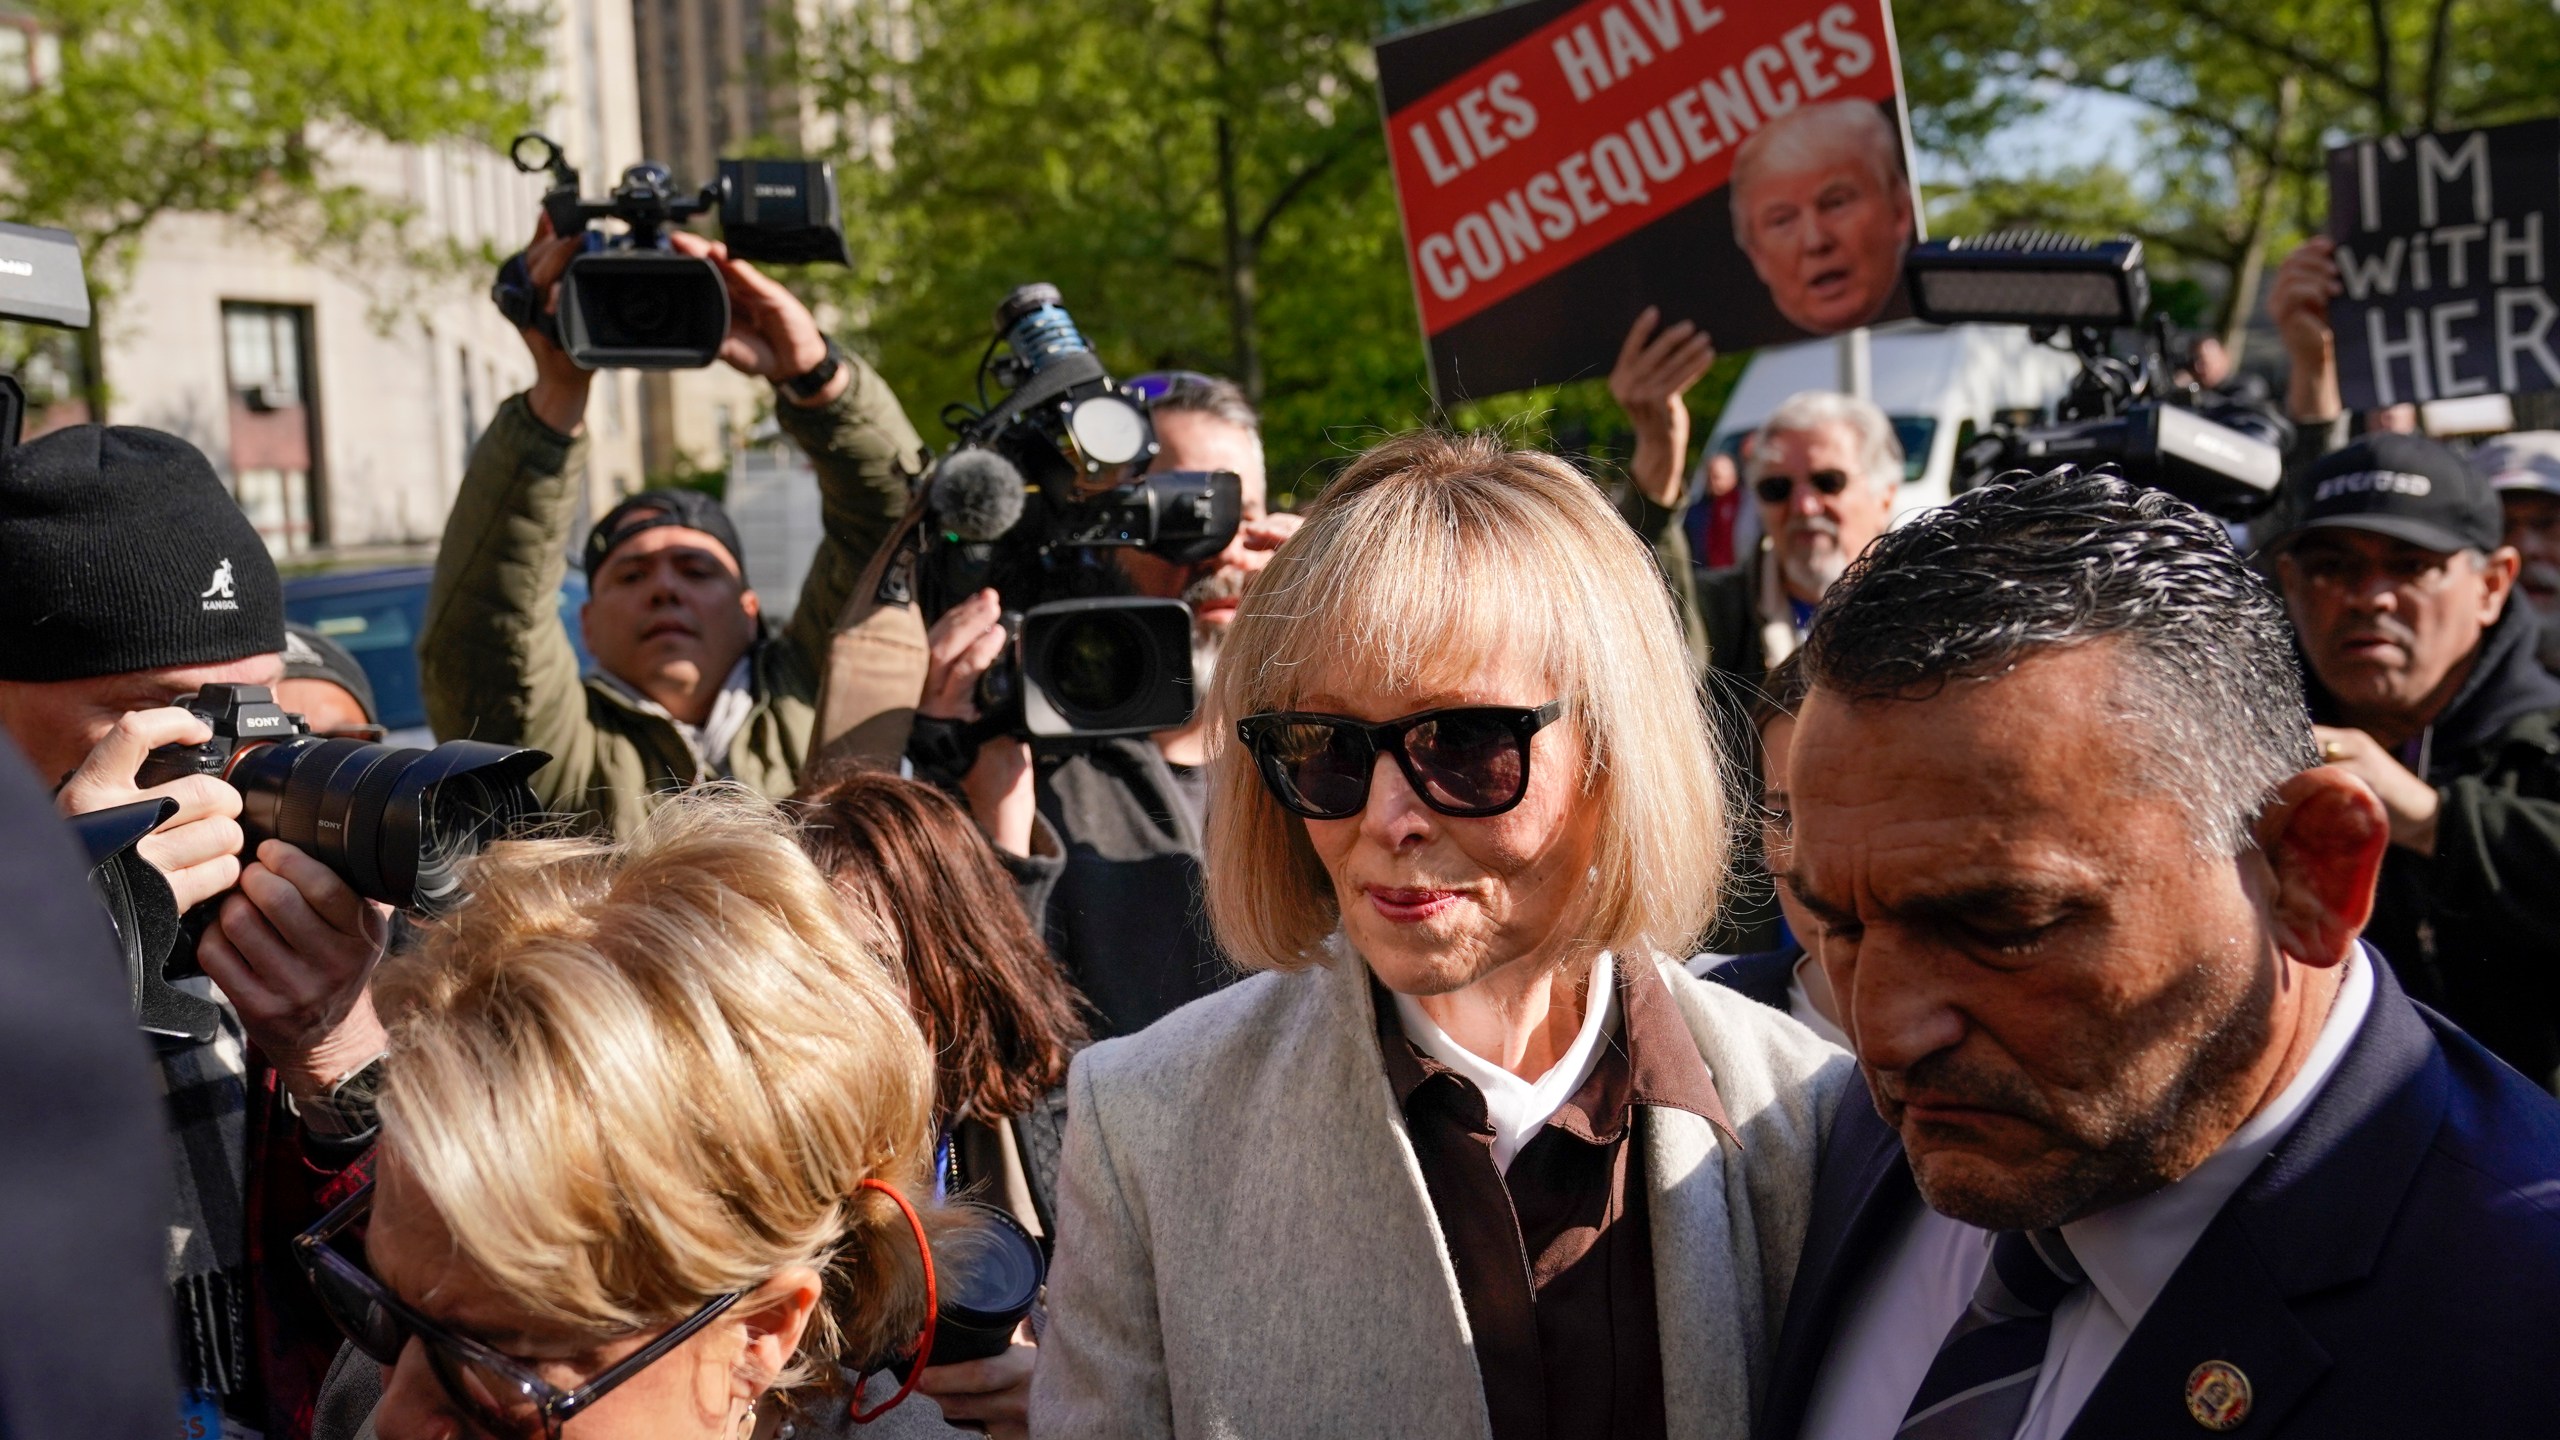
[(274, 440)]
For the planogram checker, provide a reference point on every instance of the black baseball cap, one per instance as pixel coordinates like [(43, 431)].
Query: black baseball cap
[(2407, 487), (650, 509), (312, 655)]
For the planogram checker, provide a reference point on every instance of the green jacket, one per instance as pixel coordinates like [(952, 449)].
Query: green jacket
[(495, 664)]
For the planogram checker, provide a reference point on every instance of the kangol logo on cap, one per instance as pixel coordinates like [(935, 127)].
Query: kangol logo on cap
[(2218, 1395), (218, 595)]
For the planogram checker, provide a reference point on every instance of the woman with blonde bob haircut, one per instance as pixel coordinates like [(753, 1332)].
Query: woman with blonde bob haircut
[(652, 1115), (1475, 1156)]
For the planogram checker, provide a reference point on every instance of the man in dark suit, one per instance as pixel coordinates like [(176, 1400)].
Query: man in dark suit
[(2155, 1142)]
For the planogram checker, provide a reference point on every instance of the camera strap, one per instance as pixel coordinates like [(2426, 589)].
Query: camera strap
[(874, 669)]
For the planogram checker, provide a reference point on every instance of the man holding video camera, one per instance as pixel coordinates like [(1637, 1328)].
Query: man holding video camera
[(134, 581), (692, 685), (1109, 832)]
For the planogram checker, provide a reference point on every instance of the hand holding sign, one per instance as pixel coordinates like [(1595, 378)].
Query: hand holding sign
[(2445, 264), (1656, 367), (2298, 305)]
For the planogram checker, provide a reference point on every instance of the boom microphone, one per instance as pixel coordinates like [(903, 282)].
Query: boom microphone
[(976, 494)]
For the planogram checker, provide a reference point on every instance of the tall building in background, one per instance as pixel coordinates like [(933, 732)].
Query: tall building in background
[(339, 395), (716, 77)]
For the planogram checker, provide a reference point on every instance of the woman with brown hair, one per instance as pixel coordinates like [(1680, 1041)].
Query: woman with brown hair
[(997, 1012)]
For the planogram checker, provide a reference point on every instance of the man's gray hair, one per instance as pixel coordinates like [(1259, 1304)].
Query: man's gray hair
[(2210, 695), (1808, 137), (1879, 449), (1210, 396)]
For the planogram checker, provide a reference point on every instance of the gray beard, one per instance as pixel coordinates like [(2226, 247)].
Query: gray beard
[(1205, 644), (1815, 575)]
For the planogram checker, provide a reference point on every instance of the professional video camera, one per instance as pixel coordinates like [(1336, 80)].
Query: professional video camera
[(2122, 411), (1037, 486), (628, 301)]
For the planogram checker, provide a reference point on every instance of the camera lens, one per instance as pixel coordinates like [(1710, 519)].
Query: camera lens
[(992, 1270), (1098, 662), (394, 823), (643, 310)]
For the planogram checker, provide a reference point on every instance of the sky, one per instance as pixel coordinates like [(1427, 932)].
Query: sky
[(2081, 128)]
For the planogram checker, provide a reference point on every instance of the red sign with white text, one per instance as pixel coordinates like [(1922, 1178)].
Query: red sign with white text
[(1528, 142)]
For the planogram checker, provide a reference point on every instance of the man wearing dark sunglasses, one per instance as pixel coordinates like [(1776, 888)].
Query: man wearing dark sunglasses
[(1113, 828)]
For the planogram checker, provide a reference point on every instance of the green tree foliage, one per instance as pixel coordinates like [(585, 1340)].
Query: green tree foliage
[(2241, 103), (1205, 180), (233, 106)]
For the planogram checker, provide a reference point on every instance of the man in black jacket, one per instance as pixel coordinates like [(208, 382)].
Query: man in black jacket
[(2424, 682)]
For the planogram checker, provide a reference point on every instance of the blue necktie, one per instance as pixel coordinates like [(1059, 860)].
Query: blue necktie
[(1978, 1387)]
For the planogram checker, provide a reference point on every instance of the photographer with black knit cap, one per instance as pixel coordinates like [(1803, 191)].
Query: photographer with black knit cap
[(2423, 679), (134, 580), (692, 685)]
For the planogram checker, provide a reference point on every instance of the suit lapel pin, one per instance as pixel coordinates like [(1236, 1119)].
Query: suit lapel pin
[(2218, 1395)]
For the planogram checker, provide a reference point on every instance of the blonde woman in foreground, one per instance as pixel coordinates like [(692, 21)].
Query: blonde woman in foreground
[(652, 1130), (1473, 1157)]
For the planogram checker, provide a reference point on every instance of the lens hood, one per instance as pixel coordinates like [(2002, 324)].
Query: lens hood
[(989, 1271), (143, 912)]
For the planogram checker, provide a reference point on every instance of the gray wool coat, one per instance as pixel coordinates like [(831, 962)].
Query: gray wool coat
[(1245, 1247)]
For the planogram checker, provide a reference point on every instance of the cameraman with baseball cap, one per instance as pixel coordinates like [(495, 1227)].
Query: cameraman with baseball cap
[(2424, 684), (133, 581), (692, 686)]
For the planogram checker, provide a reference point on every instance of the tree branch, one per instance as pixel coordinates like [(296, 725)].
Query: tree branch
[(2378, 13), (2204, 12), (2436, 38), (1299, 182)]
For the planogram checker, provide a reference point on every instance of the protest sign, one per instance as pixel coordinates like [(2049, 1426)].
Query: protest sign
[(2444, 247), (1562, 164)]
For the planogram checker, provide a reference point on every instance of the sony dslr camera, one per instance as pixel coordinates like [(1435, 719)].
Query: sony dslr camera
[(629, 301), (396, 824)]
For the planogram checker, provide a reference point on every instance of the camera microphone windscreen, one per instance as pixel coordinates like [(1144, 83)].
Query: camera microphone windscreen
[(976, 494)]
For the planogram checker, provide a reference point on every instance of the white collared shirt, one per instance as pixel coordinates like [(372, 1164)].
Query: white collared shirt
[(1800, 1005), (1520, 1108), (1893, 1327)]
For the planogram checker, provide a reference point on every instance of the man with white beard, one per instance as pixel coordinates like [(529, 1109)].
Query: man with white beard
[(2525, 469), (1105, 836), (1824, 469)]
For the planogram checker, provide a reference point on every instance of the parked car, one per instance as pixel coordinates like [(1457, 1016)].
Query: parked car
[(378, 614)]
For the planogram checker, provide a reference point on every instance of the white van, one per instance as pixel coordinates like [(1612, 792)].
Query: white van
[(773, 500), (1940, 385)]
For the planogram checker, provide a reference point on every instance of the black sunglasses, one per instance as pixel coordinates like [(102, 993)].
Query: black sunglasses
[(1774, 489), (499, 1394), (1469, 761)]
